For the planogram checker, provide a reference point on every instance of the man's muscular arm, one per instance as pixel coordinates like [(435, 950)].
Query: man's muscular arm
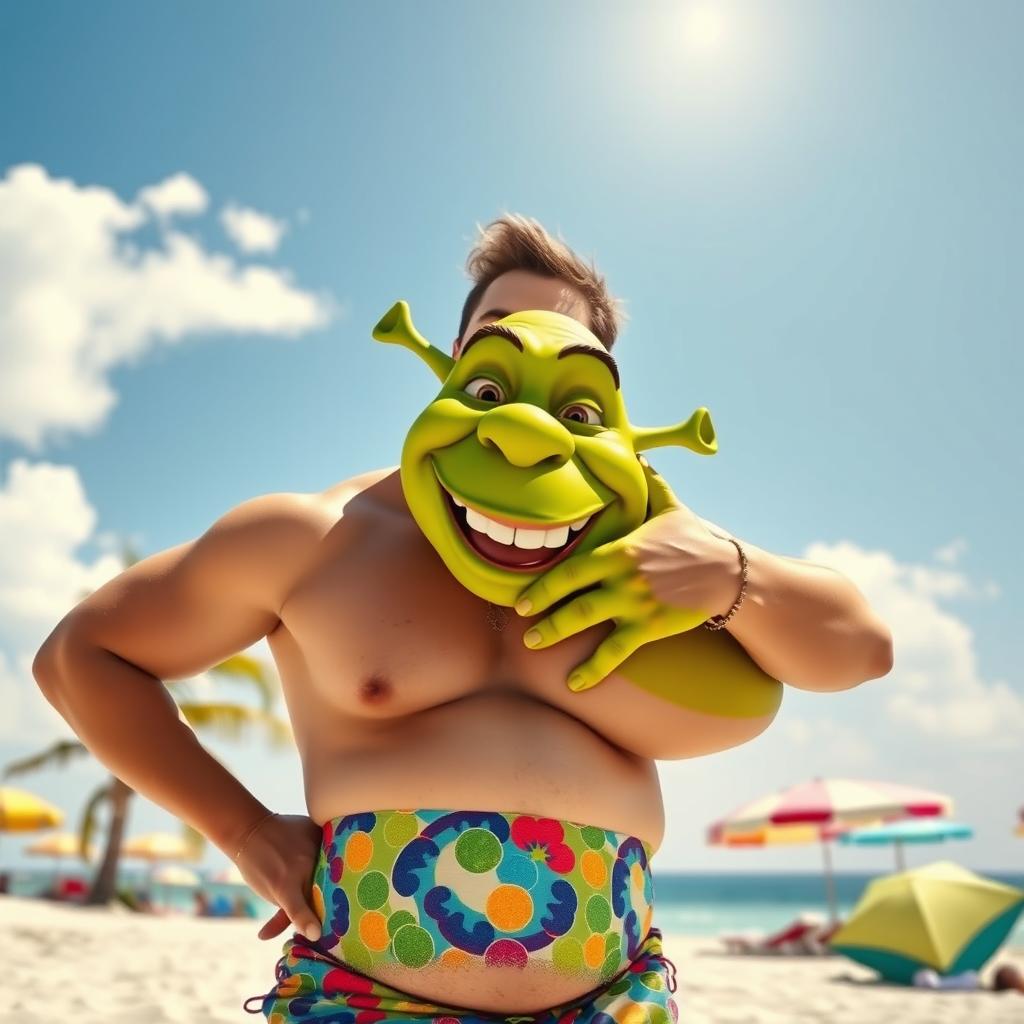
[(807, 623), (169, 616)]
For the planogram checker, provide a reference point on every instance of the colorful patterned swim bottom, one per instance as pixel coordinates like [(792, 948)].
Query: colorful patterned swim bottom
[(450, 888)]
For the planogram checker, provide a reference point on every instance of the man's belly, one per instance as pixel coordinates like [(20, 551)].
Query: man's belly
[(494, 853)]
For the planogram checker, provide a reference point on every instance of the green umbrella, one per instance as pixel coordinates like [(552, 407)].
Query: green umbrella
[(940, 916)]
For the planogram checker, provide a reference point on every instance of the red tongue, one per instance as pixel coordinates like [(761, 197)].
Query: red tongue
[(508, 554)]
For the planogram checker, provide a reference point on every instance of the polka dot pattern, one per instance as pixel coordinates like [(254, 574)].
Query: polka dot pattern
[(466, 879)]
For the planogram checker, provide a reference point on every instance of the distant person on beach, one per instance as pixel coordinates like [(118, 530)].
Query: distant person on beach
[(1008, 978), (477, 833)]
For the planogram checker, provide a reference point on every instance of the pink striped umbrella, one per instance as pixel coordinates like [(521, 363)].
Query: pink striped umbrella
[(820, 810)]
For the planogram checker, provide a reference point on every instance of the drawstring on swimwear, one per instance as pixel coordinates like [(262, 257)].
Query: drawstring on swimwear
[(262, 998), (672, 976), (656, 932)]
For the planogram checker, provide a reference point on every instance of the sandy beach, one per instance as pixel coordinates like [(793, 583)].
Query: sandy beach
[(99, 966)]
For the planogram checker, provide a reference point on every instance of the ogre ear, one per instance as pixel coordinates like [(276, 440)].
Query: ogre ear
[(395, 327), (697, 433)]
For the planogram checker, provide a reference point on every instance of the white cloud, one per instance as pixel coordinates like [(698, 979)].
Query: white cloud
[(179, 194), (78, 298), (251, 230), (45, 518), (936, 686), (951, 552), (847, 745)]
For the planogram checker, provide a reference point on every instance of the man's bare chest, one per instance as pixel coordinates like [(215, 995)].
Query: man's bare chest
[(380, 627)]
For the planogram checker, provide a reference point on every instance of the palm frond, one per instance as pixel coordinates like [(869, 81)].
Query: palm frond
[(235, 721), (253, 671), (180, 689), (88, 826), (58, 754)]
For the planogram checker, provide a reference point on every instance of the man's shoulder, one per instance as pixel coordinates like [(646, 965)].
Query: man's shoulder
[(303, 517), (376, 489)]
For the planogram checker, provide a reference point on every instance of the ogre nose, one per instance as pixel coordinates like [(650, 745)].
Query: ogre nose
[(525, 434)]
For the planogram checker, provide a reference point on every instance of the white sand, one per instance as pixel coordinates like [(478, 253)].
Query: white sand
[(97, 966)]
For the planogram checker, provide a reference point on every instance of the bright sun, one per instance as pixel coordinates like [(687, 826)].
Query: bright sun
[(703, 27)]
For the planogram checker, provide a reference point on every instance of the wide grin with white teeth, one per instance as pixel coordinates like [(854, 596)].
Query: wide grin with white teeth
[(519, 536)]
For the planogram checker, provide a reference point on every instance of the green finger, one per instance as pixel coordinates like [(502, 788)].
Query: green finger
[(610, 653), (585, 611), (576, 572)]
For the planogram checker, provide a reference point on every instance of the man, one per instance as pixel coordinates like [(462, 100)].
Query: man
[(479, 835)]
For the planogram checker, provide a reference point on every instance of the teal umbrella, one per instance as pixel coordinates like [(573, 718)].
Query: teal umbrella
[(910, 830)]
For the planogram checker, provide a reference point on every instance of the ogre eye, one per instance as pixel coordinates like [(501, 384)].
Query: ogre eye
[(580, 413), (485, 389)]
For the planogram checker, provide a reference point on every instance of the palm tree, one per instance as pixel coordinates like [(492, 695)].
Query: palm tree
[(222, 719)]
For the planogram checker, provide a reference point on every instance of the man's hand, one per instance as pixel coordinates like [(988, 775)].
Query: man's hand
[(667, 576), (278, 863)]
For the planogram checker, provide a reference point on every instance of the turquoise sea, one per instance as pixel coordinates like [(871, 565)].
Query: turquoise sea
[(691, 903)]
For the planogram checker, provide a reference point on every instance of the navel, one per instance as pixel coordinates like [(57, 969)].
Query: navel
[(375, 690)]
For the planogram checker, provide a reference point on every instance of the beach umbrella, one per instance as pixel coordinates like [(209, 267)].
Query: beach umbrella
[(940, 916), (829, 806), (58, 845), (155, 846), (910, 830), (176, 875), (231, 875), (22, 811)]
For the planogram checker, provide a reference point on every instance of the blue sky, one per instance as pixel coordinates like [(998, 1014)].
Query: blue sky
[(812, 211)]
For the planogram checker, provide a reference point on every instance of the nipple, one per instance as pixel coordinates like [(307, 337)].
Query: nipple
[(375, 690)]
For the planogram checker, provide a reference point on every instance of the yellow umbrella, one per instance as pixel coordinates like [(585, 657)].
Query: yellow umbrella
[(157, 846), (22, 811), (939, 916), (57, 845), (175, 874)]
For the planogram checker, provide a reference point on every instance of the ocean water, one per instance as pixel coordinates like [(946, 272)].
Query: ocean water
[(693, 903), (713, 904)]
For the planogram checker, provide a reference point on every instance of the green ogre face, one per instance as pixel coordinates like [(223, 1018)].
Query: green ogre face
[(526, 455)]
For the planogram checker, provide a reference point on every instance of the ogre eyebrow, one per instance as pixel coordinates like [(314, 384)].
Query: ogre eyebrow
[(493, 330), (597, 353)]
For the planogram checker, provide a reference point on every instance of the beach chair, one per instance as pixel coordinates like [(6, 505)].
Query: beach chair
[(71, 890), (795, 937), (818, 941)]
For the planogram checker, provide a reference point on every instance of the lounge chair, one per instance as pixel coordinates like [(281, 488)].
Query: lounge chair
[(799, 936), (819, 942)]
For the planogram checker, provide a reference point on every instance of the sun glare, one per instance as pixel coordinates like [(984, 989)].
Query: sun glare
[(703, 28)]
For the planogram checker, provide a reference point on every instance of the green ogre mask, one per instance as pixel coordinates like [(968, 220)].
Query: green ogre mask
[(526, 455)]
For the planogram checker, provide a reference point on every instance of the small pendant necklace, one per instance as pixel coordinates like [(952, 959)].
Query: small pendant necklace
[(497, 617)]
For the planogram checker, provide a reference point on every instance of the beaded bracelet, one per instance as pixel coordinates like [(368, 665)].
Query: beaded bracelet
[(720, 621), (250, 832)]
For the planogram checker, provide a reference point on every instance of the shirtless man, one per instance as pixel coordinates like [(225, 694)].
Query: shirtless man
[(410, 696)]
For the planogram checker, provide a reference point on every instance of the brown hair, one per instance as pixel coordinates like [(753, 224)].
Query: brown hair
[(517, 242)]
